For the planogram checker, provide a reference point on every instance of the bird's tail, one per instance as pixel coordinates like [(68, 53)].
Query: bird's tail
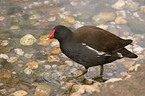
[(127, 53)]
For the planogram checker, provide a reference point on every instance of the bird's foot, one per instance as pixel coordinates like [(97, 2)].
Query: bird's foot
[(99, 78)]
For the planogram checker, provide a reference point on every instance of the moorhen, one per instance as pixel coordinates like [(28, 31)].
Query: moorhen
[(91, 46)]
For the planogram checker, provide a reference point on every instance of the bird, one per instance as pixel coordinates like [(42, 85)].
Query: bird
[(91, 46)]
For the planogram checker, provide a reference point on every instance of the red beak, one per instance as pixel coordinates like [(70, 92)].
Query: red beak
[(52, 34)]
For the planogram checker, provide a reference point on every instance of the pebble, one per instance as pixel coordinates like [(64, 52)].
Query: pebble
[(51, 19), (28, 55), (32, 65), (54, 43), (64, 68), (77, 24), (3, 92), (42, 90), (54, 58), (56, 51), (103, 17), (35, 16), (103, 26), (2, 18), (4, 42), (3, 56), (121, 13), (144, 10), (12, 59), (20, 93), (128, 64), (134, 68), (54, 12), (19, 51), (120, 20), (27, 40), (14, 27), (28, 71), (44, 41), (120, 4), (11, 90), (68, 62), (70, 20), (137, 49), (47, 66), (111, 67), (112, 80)]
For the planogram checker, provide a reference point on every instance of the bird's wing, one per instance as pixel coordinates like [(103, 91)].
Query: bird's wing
[(99, 39)]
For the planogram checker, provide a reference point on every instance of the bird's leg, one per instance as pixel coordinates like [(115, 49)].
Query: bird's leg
[(101, 70), (101, 74), (86, 70)]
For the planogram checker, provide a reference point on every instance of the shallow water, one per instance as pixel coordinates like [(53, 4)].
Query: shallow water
[(38, 17)]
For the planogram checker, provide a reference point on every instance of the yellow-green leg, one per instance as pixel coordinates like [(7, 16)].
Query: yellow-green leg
[(101, 74), (86, 70), (101, 70)]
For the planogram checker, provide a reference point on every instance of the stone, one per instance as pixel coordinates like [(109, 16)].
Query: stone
[(24, 86), (2, 18), (70, 20), (51, 19), (11, 90), (47, 66), (28, 55), (64, 68), (128, 64), (3, 56), (6, 49), (27, 40), (120, 20), (14, 27), (3, 92), (42, 90), (144, 10), (54, 12), (121, 13), (12, 59), (134, 68), (54, 58), (4, 42), (20, 93), (56, 51), (112, 80), (120, 4), (111, 67), (28, 71), (43, 40), (103, 17), (32, 65), (83, 16), (54, 43), (19, 51), (68, 62), (103, 26), (35, 16)]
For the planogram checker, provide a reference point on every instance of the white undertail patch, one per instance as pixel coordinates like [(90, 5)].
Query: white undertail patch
[(120, 55)]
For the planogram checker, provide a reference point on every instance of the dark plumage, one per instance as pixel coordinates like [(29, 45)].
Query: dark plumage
[(91, 46)]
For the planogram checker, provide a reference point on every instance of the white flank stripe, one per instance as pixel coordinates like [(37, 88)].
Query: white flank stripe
[(99, 53)]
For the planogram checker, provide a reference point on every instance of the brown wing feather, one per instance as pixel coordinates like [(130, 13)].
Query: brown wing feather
[(99, 39)]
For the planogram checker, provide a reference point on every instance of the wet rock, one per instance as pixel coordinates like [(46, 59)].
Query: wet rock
[(128, 64), (44, 41), (27, 40), (103, 17), (5, 35), (111, 67), (19, 51), (51, 19), (12, 59), (56, 51), (54, 58), (2, 18), (3, 92), (134, 68), (32, 65), (14, 10), (4, 42), (103, 26), (42, 90), (54, 12), (80, 89), (70, 20), (24, 86), (64, 68), (11, 90), (47, 66), (55, 43), (83, 17), (130, 5), (26, 16), (4, 49), (28, 55), (35, 16), (3, 56), (20, 93), (68, 62), (28, 71), (112, 80), (121, 13), (120, 20), (143, 10), (78, 24)]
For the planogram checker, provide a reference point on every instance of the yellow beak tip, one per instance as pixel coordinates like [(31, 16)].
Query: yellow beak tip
[(47, 39)]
